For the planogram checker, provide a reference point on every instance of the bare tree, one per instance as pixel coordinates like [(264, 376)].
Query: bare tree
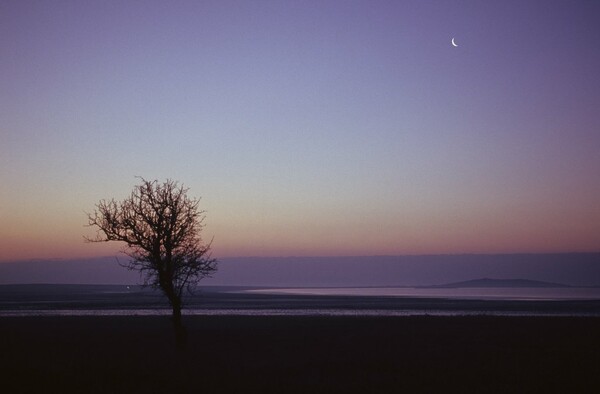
[(161, 228)]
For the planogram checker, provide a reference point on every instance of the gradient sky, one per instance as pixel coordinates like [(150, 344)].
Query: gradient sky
[(307, 127)]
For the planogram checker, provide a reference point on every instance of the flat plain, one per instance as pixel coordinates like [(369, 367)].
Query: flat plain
[(289, 354)]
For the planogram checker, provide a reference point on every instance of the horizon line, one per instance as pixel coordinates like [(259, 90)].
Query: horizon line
[(41, 259)]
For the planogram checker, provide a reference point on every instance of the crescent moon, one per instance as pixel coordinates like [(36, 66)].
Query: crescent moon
[(453, 43)]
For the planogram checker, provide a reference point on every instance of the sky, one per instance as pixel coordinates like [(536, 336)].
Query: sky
[(308, 128)]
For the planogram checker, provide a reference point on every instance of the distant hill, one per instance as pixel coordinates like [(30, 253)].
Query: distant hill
[(576, 269), (487, 282)]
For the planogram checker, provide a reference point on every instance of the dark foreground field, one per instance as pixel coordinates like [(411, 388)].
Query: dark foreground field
[(301, 354)]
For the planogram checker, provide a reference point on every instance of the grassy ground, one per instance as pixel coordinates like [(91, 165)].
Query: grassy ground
[(301, 354)]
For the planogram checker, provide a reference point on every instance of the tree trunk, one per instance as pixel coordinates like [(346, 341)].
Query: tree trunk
[(175, 301), (180, 331)]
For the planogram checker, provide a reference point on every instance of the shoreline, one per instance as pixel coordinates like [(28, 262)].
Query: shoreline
[(76, 300), (312, 312)]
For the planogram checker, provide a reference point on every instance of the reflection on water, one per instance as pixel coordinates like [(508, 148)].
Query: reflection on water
[(388, 301), (288, 312), (478, 293)]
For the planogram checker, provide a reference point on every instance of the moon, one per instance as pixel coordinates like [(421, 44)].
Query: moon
[(453, 43)]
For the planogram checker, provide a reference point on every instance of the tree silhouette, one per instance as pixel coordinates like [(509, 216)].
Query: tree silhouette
[(161, 228)]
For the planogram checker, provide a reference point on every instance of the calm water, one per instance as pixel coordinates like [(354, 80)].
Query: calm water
[(292, 312), (512, 294), (403, 301)]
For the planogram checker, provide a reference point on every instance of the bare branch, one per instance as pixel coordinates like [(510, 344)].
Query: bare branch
[(160, 226)]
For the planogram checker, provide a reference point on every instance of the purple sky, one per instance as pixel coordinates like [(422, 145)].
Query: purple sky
[(308, 128)]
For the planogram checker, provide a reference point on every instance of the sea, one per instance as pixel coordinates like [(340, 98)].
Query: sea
[(130, 300)]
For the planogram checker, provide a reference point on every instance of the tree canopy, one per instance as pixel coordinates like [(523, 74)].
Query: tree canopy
[(161, 227)]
